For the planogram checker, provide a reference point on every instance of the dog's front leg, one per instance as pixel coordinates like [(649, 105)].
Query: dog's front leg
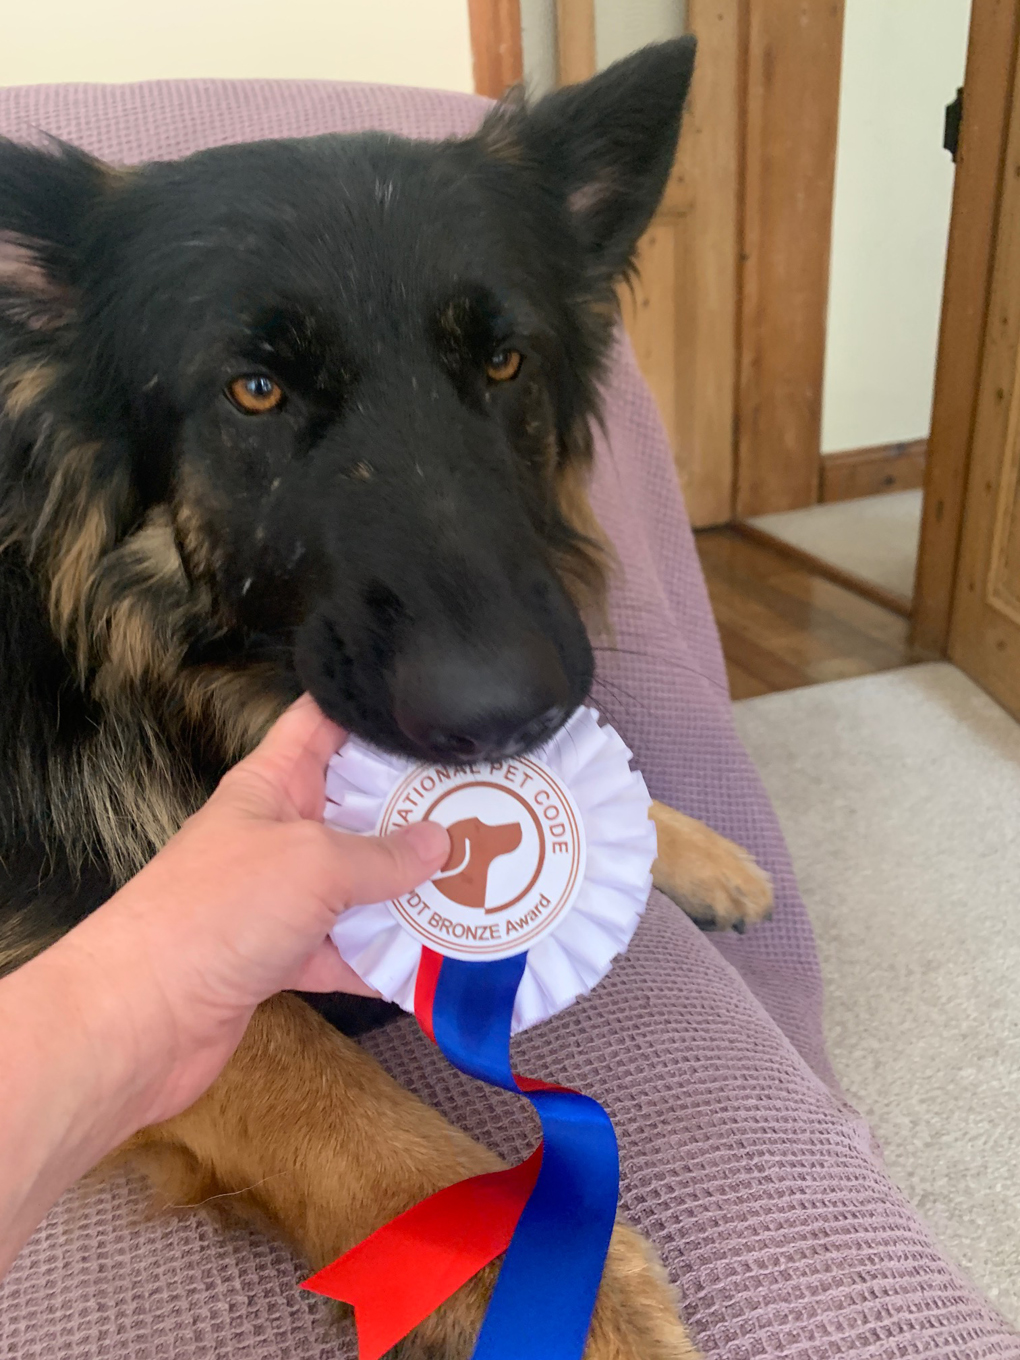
[(714, 881), (305, 1133)]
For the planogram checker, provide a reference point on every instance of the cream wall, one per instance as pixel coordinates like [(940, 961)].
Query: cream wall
[(400, 42), (902, 63), (538, 45), (621, 26)]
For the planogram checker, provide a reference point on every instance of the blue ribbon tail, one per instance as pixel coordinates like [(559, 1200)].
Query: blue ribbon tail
[(543, 1300)]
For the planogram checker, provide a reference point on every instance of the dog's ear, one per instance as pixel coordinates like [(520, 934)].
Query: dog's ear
[(608, 145), (47, 203)]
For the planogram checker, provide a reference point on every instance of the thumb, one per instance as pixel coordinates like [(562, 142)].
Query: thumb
[(374, 868)]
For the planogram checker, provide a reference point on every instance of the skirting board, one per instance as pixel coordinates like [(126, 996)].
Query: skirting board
[(870, 471)]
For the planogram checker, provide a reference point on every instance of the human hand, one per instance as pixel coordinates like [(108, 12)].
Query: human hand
[(237, 906)]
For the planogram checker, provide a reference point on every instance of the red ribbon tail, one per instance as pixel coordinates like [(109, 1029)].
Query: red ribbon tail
[(400, 1274), (425, 982)]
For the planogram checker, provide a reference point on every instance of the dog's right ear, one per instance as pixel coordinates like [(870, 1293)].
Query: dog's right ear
[(47, 204), (605, 147)]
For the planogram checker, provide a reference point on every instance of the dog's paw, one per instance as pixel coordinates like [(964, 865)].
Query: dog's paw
[(635, 1315), (713, 880)]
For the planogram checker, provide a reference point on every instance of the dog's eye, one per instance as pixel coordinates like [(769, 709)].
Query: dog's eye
[(504, 365), (255, 394)]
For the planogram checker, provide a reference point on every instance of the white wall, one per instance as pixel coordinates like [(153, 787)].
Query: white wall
[(621, 26), (902, 63), (538, 45), (400, 42)]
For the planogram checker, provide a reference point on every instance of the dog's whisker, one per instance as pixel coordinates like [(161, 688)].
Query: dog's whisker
[(631, 651), (618, 691)]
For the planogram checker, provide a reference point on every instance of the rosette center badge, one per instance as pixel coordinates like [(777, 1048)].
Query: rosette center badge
[(550, 856), (517, 857)]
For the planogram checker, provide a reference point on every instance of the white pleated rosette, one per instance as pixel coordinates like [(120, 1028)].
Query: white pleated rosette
[(574, 808)]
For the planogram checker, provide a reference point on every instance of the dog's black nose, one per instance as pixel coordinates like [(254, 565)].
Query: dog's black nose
[(459, 704)]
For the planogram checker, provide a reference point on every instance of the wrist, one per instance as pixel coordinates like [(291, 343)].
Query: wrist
[(70, 1096), (123, 1046), (97, 1028)]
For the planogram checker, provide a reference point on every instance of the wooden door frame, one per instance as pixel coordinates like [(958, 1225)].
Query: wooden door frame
[(496, 45), (988, 83), (792, 59)]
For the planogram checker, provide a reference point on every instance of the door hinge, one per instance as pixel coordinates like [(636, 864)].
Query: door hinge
[(951, 130)]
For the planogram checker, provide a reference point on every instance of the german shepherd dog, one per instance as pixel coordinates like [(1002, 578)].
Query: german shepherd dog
[(314, 415)]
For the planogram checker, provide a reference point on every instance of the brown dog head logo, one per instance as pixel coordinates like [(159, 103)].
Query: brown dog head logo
[(473, 846)]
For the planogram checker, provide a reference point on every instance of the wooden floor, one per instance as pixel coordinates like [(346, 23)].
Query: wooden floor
[(783, 626)]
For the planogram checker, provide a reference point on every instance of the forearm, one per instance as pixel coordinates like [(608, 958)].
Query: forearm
[(70, 1093), (132, 1015)]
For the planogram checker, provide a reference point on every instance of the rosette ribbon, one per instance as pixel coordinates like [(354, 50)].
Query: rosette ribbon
[(553, 1214)]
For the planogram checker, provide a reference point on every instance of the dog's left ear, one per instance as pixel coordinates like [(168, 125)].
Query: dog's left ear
[(48, 198), (608, 146)]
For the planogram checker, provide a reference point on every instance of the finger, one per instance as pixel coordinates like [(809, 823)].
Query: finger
[(326, 971), (294, 753), (374, 868), (301, 734)]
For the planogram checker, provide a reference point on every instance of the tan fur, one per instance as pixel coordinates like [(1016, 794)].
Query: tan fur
[(238, 706), (126, 790), (25, 383), (499, 134), (709, 877), (141, 637), (32, 297), (584, 571), (125, 782), (135, 607), (122, 611), (192, 503), (121, 792), (500, 139), (74, 528), (72, 570), (290, 1136), (21, 941), (116, 176), (451, 320)]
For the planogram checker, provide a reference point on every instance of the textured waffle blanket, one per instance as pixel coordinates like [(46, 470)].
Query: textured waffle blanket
[(763, 1191)]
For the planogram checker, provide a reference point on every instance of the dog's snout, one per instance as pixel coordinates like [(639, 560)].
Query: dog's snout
[(458, 704)]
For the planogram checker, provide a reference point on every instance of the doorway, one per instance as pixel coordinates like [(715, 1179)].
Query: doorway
[(811, 307), (856, 513)]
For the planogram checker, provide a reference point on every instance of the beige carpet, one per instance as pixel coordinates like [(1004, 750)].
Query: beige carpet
[(874, 537), (900, 796)]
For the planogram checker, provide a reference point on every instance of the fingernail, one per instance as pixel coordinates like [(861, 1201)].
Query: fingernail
[(428, 840)]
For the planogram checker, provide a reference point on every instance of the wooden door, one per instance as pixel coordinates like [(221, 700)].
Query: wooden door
[(681, 310), (977, 193), (984, 638), (495, 45), (793, 56)]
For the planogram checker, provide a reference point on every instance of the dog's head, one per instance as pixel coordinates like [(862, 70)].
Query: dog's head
[(314, 414)]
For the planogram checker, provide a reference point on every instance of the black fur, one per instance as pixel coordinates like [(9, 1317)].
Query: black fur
[(398, 537)]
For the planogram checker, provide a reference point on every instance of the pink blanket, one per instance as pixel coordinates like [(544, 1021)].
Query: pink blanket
[(762, 1189)]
